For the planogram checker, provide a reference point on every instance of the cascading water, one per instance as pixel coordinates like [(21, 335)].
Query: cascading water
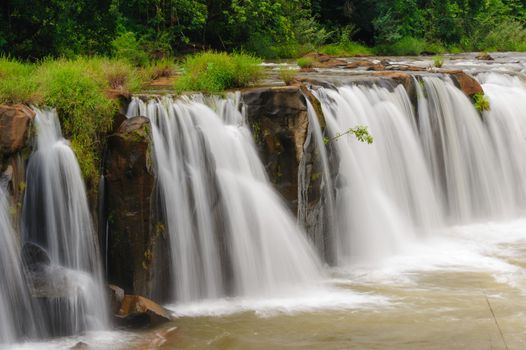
[(461, 154), (230, 233), (383, 192), (56, 217), (17, 319)]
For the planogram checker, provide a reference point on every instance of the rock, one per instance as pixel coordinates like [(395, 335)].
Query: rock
[(367, 65), (325, 61), (80, 345), (138, 312), (136, 237), (116, 297), (279, 121), (15, 122), (34, 257), (469, 85), (484, 56)]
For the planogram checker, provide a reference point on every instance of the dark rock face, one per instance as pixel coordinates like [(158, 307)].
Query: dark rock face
[(135, 236), (34, 257), (15, 122), (279, 121)]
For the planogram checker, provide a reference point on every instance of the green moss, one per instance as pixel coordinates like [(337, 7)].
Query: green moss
[(215, 72)]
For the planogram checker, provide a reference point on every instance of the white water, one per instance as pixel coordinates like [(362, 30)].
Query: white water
[(230, 233), (384, 192), (56, 216), (16, 315)]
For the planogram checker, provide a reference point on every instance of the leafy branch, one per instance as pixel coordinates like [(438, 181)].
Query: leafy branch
[(360, 132)]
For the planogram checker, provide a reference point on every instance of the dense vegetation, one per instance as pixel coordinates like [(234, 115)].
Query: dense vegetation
[(139, 30)]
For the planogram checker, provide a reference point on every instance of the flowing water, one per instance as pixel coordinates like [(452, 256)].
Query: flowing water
[(426, 226), (230, 233), (56, 217)]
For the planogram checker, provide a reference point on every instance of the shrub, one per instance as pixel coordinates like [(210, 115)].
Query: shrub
[(127, 47), (288, 75), (305, 62), (215, 72), (16, 82)]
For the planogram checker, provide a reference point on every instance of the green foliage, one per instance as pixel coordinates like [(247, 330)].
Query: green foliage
[(127, 47), (481, 102), (360, 132), (438, 61), (409, 46), (348, 49), (214, 72), (16, 82), (82, 105), (288, 75), (305, 62)]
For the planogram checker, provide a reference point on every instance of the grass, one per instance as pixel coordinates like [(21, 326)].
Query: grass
[(438, 61), (288, 75), (78, 89), (305, 62), (215, 72)]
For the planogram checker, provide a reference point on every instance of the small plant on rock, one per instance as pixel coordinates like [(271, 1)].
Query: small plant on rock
[(305, 62), (481, 102), (288, 75), (438, 61), (360, 132)]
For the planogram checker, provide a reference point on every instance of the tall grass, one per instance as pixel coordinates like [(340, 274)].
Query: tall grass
[(215, 72)]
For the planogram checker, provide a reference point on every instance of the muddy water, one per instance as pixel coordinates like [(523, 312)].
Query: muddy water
[(465, 290)]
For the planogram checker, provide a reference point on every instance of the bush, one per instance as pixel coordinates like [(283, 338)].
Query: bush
[(288, 75), (127, 47), (215, 72), (305, 62), (347, 49)]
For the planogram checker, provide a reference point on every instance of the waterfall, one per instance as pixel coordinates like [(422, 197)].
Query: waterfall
[(56, 217), (16, 311), (461, 154), (230, 233), (383, 192)]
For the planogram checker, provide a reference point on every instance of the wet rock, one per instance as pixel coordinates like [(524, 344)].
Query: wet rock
[(366, 65), (80, 345), (116, 297), (279, 121), (139, 312), (134, 235), (469, 85), (15, 122), (484, 56)]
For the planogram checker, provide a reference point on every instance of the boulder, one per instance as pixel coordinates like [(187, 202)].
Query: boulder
[(469, 85), (80, 345), (138, 312), (15, 122), (322, 60)]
